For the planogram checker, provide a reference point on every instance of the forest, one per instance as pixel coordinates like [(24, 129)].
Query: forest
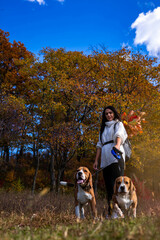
[(51, 107)]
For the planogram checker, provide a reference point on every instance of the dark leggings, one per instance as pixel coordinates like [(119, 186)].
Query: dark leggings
[(110, 173)]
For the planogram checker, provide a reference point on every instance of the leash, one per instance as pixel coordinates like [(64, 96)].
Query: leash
[(98, 171)]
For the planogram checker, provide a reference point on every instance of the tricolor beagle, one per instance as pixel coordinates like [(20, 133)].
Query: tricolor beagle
[(84, 192), (124, 198)]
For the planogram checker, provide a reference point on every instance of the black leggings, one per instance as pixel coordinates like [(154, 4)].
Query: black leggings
[(110, 173)]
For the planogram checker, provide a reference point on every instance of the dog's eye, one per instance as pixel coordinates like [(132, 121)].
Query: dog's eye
[(126, 182), (119, 183), (85, 170)]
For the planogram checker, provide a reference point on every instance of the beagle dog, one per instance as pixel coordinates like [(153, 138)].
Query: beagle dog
[(84, 192), (124, 198)]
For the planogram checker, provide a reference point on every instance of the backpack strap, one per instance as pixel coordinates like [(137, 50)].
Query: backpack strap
[(115, 126)]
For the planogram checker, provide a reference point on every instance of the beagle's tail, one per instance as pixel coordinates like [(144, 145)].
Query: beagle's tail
[(66, 184)]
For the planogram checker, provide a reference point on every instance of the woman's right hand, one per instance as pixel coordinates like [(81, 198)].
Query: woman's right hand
[(95, 165)]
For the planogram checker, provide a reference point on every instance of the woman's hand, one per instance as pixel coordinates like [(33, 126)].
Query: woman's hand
[(95, 165), (117, 146)]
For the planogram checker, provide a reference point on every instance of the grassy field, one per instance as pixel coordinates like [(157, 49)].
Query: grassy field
[(50, 216)]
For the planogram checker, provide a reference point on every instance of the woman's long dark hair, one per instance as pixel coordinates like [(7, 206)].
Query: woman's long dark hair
[(104, 119)]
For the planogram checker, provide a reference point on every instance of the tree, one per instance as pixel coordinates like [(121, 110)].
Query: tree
[(15, 91)]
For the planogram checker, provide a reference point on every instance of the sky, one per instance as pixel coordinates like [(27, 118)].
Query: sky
[(80, 25)]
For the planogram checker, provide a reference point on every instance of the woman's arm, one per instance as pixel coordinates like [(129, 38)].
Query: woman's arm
[(98, 153), (120, 135), (118, 143)]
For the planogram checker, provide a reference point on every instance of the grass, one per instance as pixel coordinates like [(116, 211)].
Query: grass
[(50, 216)]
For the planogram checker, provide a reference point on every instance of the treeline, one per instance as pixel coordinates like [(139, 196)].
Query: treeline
[(50, 110)]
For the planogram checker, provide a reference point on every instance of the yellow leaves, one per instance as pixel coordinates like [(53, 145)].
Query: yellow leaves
[(59, 111), (30, 172), (59, 107), (17, 185), (125, 122), (15, 102), (136, 161), (10, 177)]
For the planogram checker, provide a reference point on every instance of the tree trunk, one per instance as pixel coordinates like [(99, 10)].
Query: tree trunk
[(35, 175), (58, 179), (37, 167), (34, 150), (6, 153), (21, 151), (52, 172), (19, 154)]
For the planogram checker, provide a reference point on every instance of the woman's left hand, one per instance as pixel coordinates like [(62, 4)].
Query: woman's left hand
[(117, 146)]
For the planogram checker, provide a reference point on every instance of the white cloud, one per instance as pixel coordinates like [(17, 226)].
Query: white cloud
[(148, 31), (41, 2), (61, 1)]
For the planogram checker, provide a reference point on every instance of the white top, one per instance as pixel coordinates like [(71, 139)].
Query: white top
[(109, 134)]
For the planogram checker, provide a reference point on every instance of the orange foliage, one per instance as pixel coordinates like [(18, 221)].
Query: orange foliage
[(132, 122)]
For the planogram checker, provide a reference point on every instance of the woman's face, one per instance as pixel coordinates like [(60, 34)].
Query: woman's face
[(109, 114)]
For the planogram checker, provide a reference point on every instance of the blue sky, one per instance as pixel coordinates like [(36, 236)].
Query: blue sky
[(81, 24)]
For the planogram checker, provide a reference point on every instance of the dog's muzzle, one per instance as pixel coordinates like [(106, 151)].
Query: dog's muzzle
[(122, 189), (80, 178)]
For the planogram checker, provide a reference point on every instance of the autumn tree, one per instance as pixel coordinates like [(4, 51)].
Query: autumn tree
[(15, 90)]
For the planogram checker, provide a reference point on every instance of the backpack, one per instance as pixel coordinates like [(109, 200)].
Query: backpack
[(127, 147)]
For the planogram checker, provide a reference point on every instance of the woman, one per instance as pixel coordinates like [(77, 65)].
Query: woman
[(112, 134)]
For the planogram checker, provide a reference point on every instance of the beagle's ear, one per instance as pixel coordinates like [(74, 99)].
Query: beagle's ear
[(115, 187), (132, 187), (90, 180)]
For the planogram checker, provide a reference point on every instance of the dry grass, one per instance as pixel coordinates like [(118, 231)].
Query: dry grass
[(53, 215)]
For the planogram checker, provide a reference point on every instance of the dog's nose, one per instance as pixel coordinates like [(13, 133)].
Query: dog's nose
[(122, 188), (79, 173)]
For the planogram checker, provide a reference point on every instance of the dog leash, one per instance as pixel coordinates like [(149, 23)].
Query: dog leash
[(98, 171)]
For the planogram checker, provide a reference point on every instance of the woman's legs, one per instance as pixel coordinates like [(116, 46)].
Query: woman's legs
[(110, 173)]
